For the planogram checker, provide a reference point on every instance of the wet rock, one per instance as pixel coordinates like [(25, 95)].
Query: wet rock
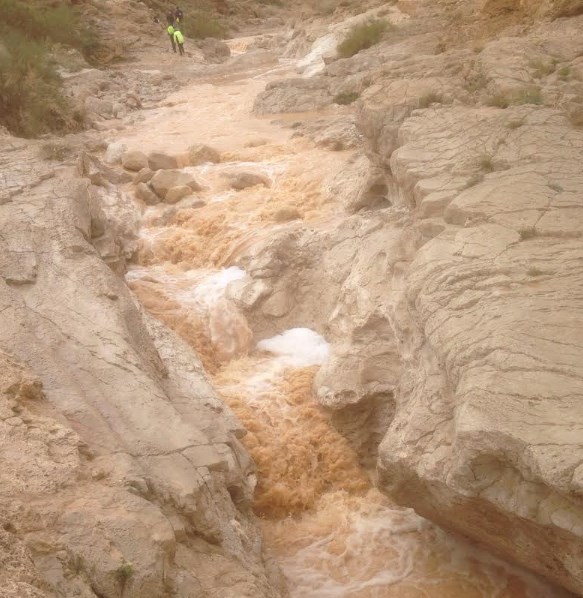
[(143, 176), (243, 180), (98, 173), (134, 160), (200, 154), (286, 214), (161, 161), (164, 180), (114, 152), (146, 194), (175, 194), (214, 50), (99, 107)]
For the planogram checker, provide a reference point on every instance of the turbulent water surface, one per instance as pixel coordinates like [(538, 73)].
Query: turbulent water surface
[(332, 533)]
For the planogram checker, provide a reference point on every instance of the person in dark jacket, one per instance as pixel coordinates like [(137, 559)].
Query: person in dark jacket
[(178, 17)]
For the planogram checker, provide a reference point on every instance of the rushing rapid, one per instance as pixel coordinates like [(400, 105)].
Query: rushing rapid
[(332, 533)]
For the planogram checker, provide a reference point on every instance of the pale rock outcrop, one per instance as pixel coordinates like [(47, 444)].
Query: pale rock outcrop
[(453, 300), (120, 469), (292, 95), (114, 152)]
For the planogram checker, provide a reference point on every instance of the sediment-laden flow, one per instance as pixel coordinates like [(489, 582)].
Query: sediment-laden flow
[(332, 533)]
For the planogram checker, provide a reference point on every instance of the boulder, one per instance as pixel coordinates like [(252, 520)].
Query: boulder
[(161, 161), (134, 160), (143, 176), (243, 180), (214, 50), (99, 107), (146, 194), (175, 194), (286, 214), (200, 153), (98, 173), (164, 180), (114, 152)]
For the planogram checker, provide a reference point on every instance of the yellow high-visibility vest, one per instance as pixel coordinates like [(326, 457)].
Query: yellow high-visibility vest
[(178, 37), (170, 30)]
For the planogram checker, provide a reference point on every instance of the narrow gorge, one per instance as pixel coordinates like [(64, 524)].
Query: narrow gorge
[(287, 323)]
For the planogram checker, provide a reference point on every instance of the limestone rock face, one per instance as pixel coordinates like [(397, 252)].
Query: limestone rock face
[(452, 294), (121, 471), (292, 95)]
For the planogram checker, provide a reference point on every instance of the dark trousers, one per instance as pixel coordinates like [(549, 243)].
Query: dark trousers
[(180, 48), (172, 42)]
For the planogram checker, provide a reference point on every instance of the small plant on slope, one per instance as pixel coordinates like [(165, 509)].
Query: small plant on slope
[(361, 37)]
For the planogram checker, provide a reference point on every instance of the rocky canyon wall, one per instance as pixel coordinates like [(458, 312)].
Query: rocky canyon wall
[(452, 295), (121, 471)]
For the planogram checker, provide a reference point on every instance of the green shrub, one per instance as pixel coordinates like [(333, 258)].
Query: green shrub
[(44, 22), (516, 123), (346, 97), (541, 69), (485, 163), (202, 24), (31, 102), (361, 37), (498, 100), (530, 95), (565, 73)]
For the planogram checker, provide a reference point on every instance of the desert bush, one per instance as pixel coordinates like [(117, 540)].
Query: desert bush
[(44, 22), (565, 73), (346, 97), (361, 37), (531, 95), (202, 24), (541, 68), (31, 102)]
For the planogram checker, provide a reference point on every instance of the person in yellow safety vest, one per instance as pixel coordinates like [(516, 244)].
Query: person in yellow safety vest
[(179, 39), (171, 31)]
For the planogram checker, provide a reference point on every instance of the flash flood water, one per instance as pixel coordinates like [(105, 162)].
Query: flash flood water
[(331, 532)]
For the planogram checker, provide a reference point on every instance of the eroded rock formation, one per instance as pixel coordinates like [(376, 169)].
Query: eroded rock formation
[(121, 470)]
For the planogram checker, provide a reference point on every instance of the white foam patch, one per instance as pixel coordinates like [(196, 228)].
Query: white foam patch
[(299, 347), (212, 288)]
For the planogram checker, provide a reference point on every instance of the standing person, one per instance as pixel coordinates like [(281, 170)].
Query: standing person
[(179, 39), (179, 17), (171, 31)]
